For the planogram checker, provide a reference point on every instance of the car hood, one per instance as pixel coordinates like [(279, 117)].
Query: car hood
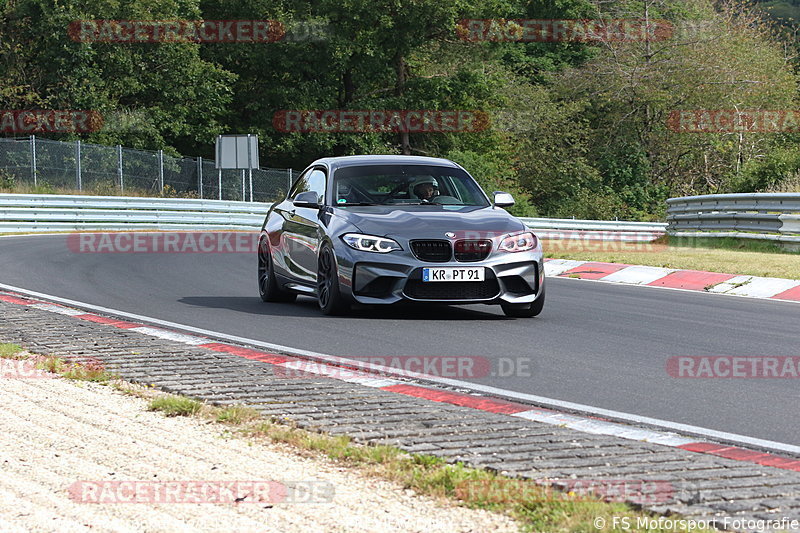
[(431, 222)]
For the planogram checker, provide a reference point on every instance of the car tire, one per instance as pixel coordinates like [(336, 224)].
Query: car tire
[(331, 301), (268, 287), (525, 310)]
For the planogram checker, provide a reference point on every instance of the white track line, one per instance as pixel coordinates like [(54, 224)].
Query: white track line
[(639, 275), (191, 340), (684, 429)]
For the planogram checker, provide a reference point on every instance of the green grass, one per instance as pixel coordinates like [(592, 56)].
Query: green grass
[(235, 415), (9, 351), (175, 406), (727, 243), (101, 189), (726, 255), (76, 370), (87, 371)]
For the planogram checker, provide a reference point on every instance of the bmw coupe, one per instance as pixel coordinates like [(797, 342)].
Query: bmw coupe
[(379, 230)]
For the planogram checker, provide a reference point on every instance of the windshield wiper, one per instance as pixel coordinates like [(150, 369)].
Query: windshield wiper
[(356, 203)]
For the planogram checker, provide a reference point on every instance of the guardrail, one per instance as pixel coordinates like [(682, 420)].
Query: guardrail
[(605, 230), (29, 213), (34, 213), (761, 216)]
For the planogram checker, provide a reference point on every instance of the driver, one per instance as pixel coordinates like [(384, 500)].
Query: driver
[(426, 190)]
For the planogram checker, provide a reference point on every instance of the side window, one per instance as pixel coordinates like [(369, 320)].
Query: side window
[(459, 190), (316, 183), (300, 185), (313, 180)]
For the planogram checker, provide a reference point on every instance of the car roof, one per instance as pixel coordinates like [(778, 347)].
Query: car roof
[(360, 160)]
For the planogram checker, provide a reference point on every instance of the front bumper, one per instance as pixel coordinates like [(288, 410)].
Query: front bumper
[(371, 278)]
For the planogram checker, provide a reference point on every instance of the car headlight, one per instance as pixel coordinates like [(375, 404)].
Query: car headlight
[(370, 243), (521, 242)]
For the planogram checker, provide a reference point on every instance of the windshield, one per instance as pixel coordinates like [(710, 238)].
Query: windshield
[(405, 184)]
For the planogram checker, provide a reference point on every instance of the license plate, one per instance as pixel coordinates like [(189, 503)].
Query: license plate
[(453, 274)]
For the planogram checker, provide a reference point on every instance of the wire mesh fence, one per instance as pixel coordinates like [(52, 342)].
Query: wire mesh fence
[(48, 165)]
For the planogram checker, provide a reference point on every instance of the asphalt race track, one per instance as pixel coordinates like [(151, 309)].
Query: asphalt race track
[(599, 344)]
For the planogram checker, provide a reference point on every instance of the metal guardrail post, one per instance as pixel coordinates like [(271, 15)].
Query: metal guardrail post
[(219, 182), (289, 185), (200, 177), (33, 160), (161, 170), (119, 167), (250, 165), (78, 177), (244, 194)]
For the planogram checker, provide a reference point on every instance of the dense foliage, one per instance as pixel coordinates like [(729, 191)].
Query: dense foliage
[(578, 128)]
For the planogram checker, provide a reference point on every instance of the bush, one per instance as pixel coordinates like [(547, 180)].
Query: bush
[(495, 176), (43, 188), (790, 184), (7, 181), (105, 188), (767, 173)]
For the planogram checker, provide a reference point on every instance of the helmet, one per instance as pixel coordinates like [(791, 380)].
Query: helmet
[(416, 185), (428, 179)]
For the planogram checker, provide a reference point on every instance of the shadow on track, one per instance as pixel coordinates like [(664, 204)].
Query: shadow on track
[(307, 308)]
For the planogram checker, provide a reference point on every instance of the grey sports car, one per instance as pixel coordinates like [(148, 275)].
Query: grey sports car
[(384, 229)]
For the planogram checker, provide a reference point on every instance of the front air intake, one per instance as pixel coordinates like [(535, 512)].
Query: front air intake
[(472, 250), (433, 251)]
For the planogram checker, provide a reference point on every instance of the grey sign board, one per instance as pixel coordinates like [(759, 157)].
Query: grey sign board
[(237, 152)]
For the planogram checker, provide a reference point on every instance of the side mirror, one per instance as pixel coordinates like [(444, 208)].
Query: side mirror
[(503, 199), (306, 199)]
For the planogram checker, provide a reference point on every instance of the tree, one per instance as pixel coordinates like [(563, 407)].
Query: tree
[(167, 92), (629, 90)]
